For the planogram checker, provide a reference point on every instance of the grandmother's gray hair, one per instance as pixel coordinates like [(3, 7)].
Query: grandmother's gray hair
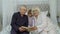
[(36, 9)]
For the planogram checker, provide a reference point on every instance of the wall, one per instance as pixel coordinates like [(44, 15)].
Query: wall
[(0, 14), (58, 3), (31, 1), (8, 10), (58, 9)]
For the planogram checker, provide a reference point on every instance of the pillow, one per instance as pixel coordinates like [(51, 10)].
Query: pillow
[(44, 13)]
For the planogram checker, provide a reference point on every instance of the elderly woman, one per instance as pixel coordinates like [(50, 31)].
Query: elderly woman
[(43, 24)]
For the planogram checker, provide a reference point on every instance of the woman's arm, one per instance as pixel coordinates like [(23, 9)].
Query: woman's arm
[(43, 25)]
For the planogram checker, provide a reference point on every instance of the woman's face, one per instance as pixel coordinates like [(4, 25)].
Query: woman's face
[(35, 13)]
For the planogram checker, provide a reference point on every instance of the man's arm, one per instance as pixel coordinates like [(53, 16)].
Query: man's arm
[(14, 26), (26, 24)]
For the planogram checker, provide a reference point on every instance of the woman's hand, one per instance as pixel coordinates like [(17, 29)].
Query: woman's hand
[(34, 28)]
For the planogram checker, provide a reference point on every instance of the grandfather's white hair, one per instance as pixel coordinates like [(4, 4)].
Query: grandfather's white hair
[(20, 6)]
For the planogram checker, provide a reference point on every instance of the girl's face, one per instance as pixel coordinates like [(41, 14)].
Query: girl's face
[(30, 15)]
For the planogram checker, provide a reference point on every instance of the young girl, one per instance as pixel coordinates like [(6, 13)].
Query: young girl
[(30, 18)]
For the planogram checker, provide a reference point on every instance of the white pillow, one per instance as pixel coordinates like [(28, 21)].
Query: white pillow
[(44, 13)]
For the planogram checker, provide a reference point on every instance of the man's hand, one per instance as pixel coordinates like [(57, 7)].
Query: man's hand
[(22, 29)]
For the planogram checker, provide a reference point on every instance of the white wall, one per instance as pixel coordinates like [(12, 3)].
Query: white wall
[(0, 7), (0, 10), (58, 9), (31, 1), (0, 14), (53, 10), (58, 3), (8, 9)]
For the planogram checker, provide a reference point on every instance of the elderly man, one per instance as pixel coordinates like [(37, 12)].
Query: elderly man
[(19, 19)]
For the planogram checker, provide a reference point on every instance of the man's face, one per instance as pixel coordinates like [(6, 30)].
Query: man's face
[(23, 10)]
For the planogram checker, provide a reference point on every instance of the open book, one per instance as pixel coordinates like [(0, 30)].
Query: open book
[(29, 28)]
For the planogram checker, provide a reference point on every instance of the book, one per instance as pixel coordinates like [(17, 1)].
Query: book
[(29, 28)]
